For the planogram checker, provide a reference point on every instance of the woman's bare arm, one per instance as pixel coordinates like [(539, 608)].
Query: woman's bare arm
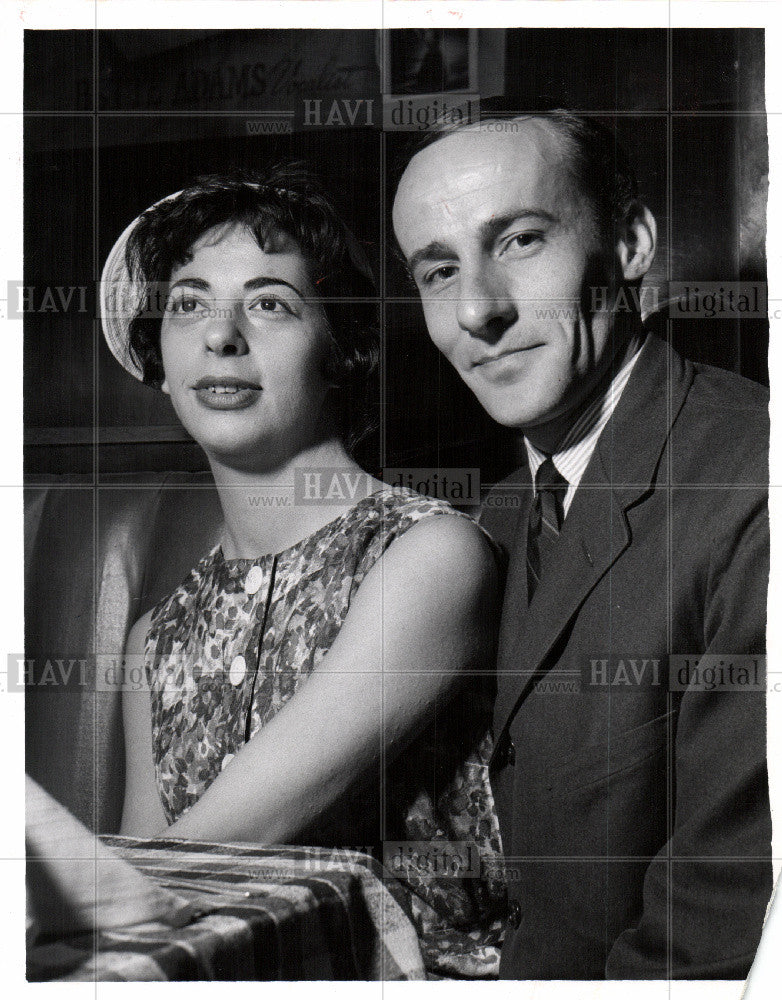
[(142, 811), (425, 613)]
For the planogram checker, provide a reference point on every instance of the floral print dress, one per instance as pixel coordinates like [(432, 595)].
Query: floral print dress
[(228, 648)]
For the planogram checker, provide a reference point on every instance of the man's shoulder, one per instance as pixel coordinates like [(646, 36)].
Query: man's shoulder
[(713, 423), (724, 421), (501, 506), (507, 494), (715, 389)]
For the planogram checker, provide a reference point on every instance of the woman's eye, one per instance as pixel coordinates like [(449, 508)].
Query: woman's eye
[(184, 305), (271, 304)]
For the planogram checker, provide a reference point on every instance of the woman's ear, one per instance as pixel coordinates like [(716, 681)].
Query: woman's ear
[(637, 242), (164, 387)]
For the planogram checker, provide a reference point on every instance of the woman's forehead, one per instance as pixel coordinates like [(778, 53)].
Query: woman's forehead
[(228, 235), (234, 246)]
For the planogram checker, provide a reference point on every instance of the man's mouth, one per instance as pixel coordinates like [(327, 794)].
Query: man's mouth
[(487, 359)]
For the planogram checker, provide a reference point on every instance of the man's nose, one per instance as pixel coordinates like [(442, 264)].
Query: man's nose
[(485, 307), (225, 335)]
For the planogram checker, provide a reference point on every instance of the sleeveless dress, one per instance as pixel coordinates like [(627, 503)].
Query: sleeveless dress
[(228, 648)]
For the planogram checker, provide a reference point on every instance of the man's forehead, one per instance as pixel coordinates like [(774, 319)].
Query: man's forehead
[(480, 168)]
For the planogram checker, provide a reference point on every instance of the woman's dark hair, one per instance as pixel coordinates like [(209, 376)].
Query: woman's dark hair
[(285, 198)]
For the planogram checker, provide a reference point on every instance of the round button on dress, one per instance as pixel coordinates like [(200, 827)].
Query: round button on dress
[(237, 671), (253, 580)]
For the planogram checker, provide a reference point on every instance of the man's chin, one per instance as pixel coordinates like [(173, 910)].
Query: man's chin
[(542, 425), (512, 409)]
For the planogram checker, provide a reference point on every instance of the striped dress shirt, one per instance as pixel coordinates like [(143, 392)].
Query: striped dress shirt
[(574, 451)]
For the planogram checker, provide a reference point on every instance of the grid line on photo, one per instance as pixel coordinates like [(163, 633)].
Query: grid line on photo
[(96, 334), (670, 748)]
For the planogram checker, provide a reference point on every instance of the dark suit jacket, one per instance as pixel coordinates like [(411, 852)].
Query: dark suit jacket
[(635, 818)]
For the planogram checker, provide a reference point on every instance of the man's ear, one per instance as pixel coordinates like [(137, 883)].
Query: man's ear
[(637, 242), (164, 387)]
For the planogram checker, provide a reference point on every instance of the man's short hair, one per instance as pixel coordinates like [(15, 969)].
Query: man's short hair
[(597, 162)]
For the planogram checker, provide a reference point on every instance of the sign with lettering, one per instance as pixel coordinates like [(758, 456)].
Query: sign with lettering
[(241, 71)]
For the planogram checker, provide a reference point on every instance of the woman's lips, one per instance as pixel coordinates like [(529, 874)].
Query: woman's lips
[(228, 394)]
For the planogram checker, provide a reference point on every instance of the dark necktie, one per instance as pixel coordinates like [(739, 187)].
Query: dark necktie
[(545, 521)]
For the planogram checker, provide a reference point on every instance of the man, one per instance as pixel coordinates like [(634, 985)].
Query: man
[(631, 788)]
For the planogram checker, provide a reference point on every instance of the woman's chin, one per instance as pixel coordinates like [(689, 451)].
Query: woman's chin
[(257, 456)]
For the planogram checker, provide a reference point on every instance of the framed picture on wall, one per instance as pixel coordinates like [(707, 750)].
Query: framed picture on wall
[(428, 61)]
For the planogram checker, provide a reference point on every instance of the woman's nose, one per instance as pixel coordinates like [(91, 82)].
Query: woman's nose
[(225, 334), (485, 307)]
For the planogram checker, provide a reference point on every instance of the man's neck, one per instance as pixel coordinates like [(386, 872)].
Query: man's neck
[(547, 437)]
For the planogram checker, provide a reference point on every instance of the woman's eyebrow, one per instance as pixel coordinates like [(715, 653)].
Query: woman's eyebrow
[(255, 283), (249, 286), (204, 286)]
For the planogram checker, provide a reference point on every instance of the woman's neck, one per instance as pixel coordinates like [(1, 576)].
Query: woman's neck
[(268, 511)]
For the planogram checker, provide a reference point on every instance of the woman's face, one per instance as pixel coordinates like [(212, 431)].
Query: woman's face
[(243, 342)]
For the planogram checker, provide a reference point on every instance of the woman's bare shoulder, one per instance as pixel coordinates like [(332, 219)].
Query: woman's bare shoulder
[(440, 572), (450, 546), (137, 636)]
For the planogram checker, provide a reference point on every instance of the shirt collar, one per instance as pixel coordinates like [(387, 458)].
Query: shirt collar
[(576, 447)]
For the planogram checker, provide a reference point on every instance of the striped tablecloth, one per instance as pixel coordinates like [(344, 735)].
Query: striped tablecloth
[(278, 913)]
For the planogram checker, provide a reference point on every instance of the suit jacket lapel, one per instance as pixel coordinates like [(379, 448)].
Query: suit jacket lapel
[(514, 609), (593, 536), (623, 466)]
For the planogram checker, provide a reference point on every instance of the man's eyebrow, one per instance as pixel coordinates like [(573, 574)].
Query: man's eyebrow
[(432, 251), (495, 225), (437, 250)]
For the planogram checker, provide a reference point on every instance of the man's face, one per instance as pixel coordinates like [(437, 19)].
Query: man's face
[(504, 252)]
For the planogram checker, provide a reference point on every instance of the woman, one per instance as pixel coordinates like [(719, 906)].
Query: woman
[(385, 605)]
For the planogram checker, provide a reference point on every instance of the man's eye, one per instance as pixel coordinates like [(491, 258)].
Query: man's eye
[(439, 274), (522, 241)]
